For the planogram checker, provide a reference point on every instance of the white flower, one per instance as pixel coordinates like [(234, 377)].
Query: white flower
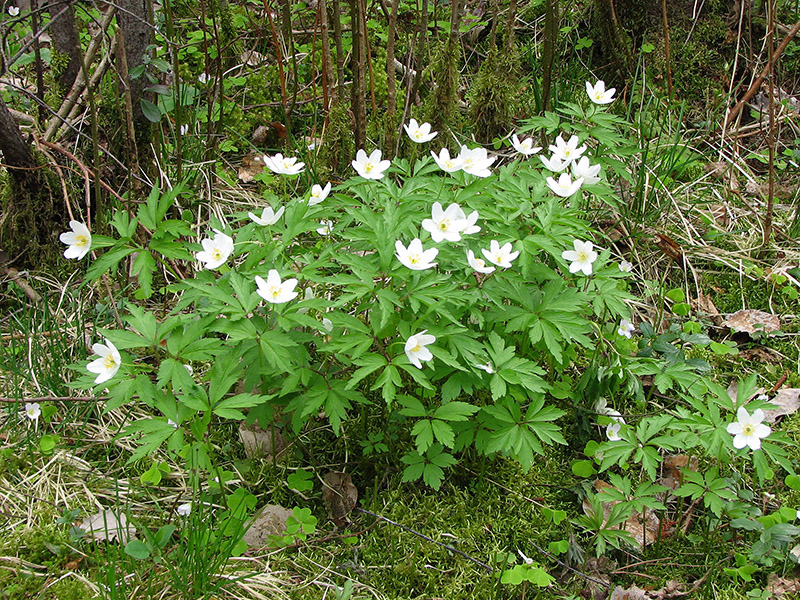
[(108, 364), (283, 165), (748, 429), (273, 290), (189, 369), (184, 129), (583, 169), (415, 257), (525, 147), (445, 224), (626, 328), (204, 78), (525, 559), (555, 163), (468, 226), (184, 510), (32, 410), (598, 93), (215, 251), (327, 324), (79, 240), (478, 263), (475, 161), (173, 423), (268, 216), (568, 151), (581, 257), (487, 367), (327, 227), (626, 266), (13, 11), (564, 187), (601, 408), (416, 350), (612, 431), (500, 256), (371, 167), (447, 164), (419, 133), (319, 193)]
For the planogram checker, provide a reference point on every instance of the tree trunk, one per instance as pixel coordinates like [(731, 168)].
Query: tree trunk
[(66, 43), (358, 98), (30, 218), (17, 154), (135, 33)]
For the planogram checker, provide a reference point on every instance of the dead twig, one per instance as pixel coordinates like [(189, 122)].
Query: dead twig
[(734, 112)]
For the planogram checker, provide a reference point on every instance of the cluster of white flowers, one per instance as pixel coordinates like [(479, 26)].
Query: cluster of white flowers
[(614, 427), (474, 161), (444, 225)]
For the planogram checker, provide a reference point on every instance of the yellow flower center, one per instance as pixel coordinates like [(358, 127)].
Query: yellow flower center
[(748, 430), (109, 362), (416, 348), (582, 256), (216, 254), (368, 167), (275, 290), (480, 262), (81, 240), (418, 135), (444, 224), (414, 258), (526, 144), (449, 164), (468, 162)]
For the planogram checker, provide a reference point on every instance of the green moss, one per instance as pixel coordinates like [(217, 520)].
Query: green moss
[(494, 96), (441, 106)]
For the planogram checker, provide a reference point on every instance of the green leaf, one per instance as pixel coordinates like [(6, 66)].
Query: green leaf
[(107, 262), (143, 267), (443, 432), (150, 111), (412, 407), (583, 468), (137, 549), (163, 535), (455, 411)]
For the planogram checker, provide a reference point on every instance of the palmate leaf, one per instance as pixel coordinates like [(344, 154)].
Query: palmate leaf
[(227, 408), (518, 437)]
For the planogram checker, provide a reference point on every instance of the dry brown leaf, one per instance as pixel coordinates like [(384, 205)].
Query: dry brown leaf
[(705, 305), (106, 525), (781, 587), (669, 247), (271, 520), (260, 443), (672, 469), (252, 58), (632, 593), (787, 401), (252, 165), (751, 321), (670, 590), (340, 495), (761, 354)]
